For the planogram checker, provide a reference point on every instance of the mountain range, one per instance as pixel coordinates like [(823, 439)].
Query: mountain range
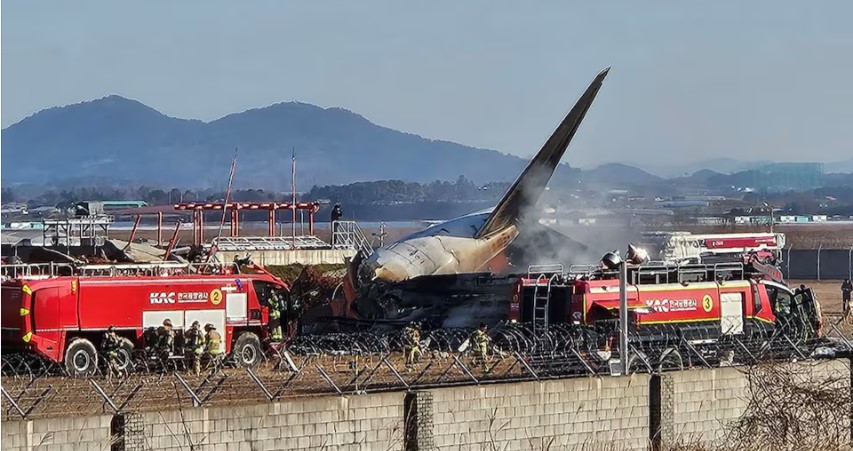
[(125, 140), (727, 166), (119, 140)]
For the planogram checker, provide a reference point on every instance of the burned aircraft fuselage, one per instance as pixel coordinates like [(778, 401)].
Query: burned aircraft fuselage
[(468, 243), (443, 249), (446, 301)]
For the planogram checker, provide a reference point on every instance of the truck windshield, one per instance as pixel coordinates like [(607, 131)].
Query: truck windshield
[(780, 301), (266, 291)]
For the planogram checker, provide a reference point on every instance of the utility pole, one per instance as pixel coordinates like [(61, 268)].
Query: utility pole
[(623, 316), (770, 207), (293, 197)]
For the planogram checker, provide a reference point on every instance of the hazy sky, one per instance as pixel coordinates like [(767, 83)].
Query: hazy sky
[(690, 80)]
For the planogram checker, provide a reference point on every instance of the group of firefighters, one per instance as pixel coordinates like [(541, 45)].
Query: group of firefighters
[(412, 345), (160, 342)]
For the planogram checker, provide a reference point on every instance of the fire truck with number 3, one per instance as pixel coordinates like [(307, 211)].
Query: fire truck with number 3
[(703, 304), (63, 318)]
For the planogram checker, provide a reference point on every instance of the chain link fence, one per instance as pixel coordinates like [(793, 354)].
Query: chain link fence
[(817, 264)]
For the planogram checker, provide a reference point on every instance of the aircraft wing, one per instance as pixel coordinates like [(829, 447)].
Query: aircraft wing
[(531, 183)]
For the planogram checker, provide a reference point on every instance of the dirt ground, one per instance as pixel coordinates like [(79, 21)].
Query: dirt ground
[(319, 375)]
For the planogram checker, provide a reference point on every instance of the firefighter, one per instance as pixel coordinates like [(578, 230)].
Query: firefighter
[(846, 289), (337, 214), (194, 340), (165, 338), (150, 338), (481, 341), (110, 346), (411, 344), (275, 316), (213, 346)]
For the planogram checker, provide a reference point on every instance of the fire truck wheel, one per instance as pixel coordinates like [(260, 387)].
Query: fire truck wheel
[(81, 358), (125, 356), (247, 349)]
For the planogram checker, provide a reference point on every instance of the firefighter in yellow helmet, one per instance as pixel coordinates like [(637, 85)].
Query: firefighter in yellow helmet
[(111, 345), (165, 339), (213, 345), (412, 344), (194, 348), (481, 340), (275, 302)]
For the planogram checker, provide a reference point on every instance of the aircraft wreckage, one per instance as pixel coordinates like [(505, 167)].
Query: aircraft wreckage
[(444, 274)]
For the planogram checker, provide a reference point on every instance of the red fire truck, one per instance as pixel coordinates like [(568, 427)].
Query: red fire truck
[(63, 318), (700, 303), (686, 247)]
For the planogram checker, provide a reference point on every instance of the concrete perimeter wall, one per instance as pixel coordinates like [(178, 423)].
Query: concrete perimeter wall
[(527, 415), (698, 405), (58, 434), (625, 412), (341, 423)]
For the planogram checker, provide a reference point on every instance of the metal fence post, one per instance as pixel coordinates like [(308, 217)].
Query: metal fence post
[(850, 263), (789, 261), (623, 316), (196, 402), (104, 395), (260, 384), (818, 261), (328, 379), (13, 403)]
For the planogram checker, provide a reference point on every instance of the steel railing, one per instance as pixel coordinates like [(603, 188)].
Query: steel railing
[(348, 235)]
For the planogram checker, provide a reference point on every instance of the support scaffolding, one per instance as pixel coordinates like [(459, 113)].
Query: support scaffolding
[(235, 208)]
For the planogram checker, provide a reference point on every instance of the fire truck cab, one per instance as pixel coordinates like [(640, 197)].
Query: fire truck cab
[(63, 318)]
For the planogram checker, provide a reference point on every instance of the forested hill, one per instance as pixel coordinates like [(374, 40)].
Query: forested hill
[(118, 139)]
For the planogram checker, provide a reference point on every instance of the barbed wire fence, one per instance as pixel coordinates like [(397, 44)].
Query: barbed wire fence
[(358, 363)]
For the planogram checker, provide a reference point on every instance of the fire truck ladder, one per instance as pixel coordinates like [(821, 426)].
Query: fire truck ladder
[(541, 303), (35, 270), (142, 269)]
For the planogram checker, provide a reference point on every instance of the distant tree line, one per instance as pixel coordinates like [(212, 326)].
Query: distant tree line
[(835, 200), (154, 196), (389, 192), (385, 192)]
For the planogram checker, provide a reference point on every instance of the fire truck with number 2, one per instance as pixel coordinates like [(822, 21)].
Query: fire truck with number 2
[(63, 318)]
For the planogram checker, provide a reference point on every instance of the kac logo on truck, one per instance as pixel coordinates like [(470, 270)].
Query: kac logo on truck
[(162, 297), (671, 305)]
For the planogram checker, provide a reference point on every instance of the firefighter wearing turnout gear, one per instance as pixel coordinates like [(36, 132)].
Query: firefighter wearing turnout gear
[(411, 344), (194, 347), (213, 346), (275, 316), (150, 337), (165, 338), (481, 341), (110, 346)]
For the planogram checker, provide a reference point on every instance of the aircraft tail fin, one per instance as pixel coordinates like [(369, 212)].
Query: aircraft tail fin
[(531, 183)]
